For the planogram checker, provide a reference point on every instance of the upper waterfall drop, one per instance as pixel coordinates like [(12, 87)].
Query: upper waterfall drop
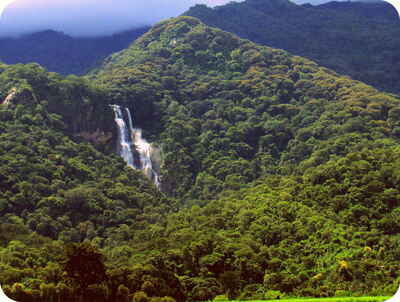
[(130, 121), (133, 137)]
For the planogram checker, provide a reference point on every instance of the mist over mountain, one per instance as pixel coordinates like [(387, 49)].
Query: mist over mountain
[(79, 18), (89, 17), (316, 2), (260, 21)]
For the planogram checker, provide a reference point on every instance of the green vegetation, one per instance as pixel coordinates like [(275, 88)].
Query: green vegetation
[(57, 189), (280, 178), (227, 111), (358, 39), (339, 299)]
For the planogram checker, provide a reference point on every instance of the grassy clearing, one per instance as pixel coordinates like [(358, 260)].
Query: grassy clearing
[(334, 299)]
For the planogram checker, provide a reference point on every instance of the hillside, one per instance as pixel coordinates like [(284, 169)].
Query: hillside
[(61, 53), (358, 39), (279, 177), (55, 187), (227, 111), (291, 168)]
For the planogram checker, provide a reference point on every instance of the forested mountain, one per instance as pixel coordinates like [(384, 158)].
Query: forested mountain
[(358, 39), (55, 187), (279, 177), (64, 54), (228, 111)]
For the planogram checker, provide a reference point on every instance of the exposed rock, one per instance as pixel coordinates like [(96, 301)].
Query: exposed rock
[(18, 96), (11, 95), (156, 158), (97, 138)]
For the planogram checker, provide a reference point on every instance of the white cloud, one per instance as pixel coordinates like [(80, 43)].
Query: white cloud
[(89, 17)]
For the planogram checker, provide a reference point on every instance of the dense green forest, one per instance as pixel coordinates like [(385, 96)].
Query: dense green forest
[(228, 111), (61, 53), (56, 188), (279, 177), (358, 39)]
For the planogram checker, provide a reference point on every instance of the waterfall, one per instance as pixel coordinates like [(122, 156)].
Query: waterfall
[(124, 137), (129, 119), (133, 137), (144, 149)]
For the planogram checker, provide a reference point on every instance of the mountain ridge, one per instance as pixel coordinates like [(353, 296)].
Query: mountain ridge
[(352, 38), (61, 53), (282, 84)]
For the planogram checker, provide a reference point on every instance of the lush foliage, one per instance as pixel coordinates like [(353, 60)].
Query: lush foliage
[(360, 39), (331, 232), (54, 185), (282, 177), (336, 299), (227, 111)]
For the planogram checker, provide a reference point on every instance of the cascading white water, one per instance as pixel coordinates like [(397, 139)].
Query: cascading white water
[(130, 121), (129, 136), (125, 150), (144, 149)]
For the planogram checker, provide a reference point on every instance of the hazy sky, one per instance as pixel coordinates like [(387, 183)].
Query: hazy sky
[(89, 17), (92, 17)]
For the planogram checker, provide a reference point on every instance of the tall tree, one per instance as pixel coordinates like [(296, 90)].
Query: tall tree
[(84, 265)]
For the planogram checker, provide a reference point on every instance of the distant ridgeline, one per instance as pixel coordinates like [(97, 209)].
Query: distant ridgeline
[(358, 39), (279, 176), (64, 54)]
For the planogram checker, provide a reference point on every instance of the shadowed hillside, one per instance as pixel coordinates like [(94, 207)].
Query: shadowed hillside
[(61, 53), (354, 38)]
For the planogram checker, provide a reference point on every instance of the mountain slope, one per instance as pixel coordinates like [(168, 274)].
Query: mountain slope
[(57, 189), (286, 176), (333, 232), (48, 172), (61, 53), (353, 38), (289, 170), (227, 111)]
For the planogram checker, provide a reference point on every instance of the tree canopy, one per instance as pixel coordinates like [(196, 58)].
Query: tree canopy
[(279, 176)]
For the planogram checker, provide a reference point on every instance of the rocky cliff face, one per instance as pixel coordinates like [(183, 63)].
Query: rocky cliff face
[(7, 101), (19, 96), (80, 109), (92, 122), (98, 137)]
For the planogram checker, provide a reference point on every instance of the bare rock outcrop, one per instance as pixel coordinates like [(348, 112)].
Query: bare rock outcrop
[(11, 95)]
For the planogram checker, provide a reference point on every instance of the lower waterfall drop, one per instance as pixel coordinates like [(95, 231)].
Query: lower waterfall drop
[(133, 136), (144, 149)]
